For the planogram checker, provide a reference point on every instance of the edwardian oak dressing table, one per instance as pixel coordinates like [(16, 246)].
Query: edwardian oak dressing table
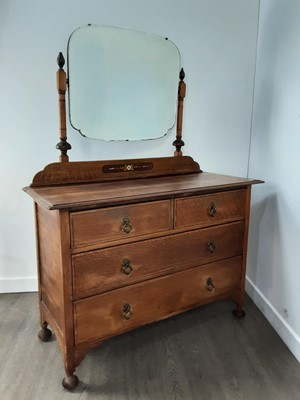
[(124, 243)]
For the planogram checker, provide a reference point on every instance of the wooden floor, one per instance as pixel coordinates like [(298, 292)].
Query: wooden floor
[(201, 355)]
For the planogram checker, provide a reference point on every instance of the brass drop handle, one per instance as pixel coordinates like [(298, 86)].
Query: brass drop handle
[(126, 267), (209, 284), (212, 210), (126, 226), (211, 246), (127, 311)]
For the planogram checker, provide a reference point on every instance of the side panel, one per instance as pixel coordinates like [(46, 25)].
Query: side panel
[(50, 263), (55, 279)]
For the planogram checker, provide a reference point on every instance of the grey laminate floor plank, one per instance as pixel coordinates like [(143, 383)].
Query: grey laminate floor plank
[(204, 354)]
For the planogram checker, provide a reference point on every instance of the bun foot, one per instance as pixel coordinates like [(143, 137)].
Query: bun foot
[(70, 382), (44, 334), (238, 314)]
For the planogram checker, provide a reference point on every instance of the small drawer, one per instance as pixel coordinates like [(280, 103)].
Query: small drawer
[(111, 313), (102, 270), (113, 223), (210, 209)]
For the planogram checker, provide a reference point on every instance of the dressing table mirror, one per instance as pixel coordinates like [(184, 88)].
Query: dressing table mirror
[(124, 243)]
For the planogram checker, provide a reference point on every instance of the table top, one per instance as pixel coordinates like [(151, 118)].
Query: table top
[(84, 196)]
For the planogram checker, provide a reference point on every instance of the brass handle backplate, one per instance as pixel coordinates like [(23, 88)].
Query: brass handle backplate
[(127, 311), (211, 246), (209, 284), (126, 267), (126, 226), (212, 210)]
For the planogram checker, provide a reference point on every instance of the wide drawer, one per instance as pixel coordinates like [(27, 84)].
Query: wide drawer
[(210, 209), (122, 222), (102, 270), (118, 311)]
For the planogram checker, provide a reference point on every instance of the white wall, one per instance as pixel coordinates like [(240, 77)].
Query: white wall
[(274, 243), (217, 40)]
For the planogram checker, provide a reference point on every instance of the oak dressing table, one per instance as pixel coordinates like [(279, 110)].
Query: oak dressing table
[(124, 243)]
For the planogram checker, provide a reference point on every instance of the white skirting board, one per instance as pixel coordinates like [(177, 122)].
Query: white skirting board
[(284, 330), (18, 284)]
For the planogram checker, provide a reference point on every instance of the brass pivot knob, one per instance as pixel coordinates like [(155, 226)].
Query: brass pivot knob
[(127, 311), (212, 210), (126, 267), (126, 226), (209, 284), (211, 246)]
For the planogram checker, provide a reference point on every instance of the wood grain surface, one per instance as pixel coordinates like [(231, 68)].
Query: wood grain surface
[(101, 270), (50, 264), (107, 224), (210, 209), (101, 316), (99, 171), (114, 256), (85, 196)]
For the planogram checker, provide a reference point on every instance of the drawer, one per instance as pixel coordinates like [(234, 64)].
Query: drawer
[(210, 209), (108, 224), (118, 311), (102, 270)]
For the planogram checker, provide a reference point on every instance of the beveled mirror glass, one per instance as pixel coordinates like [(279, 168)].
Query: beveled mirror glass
[(122, 84)]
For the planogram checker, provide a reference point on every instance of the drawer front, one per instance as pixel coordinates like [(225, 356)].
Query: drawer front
[(102, 270), (210, 209), (111, 313), (114, 223)]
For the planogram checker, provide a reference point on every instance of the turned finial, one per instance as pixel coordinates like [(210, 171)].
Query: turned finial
[(181, 74), (60, 60)]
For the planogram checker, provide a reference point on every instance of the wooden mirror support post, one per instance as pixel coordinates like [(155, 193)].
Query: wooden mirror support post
[(178, 143), (61, 80)]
